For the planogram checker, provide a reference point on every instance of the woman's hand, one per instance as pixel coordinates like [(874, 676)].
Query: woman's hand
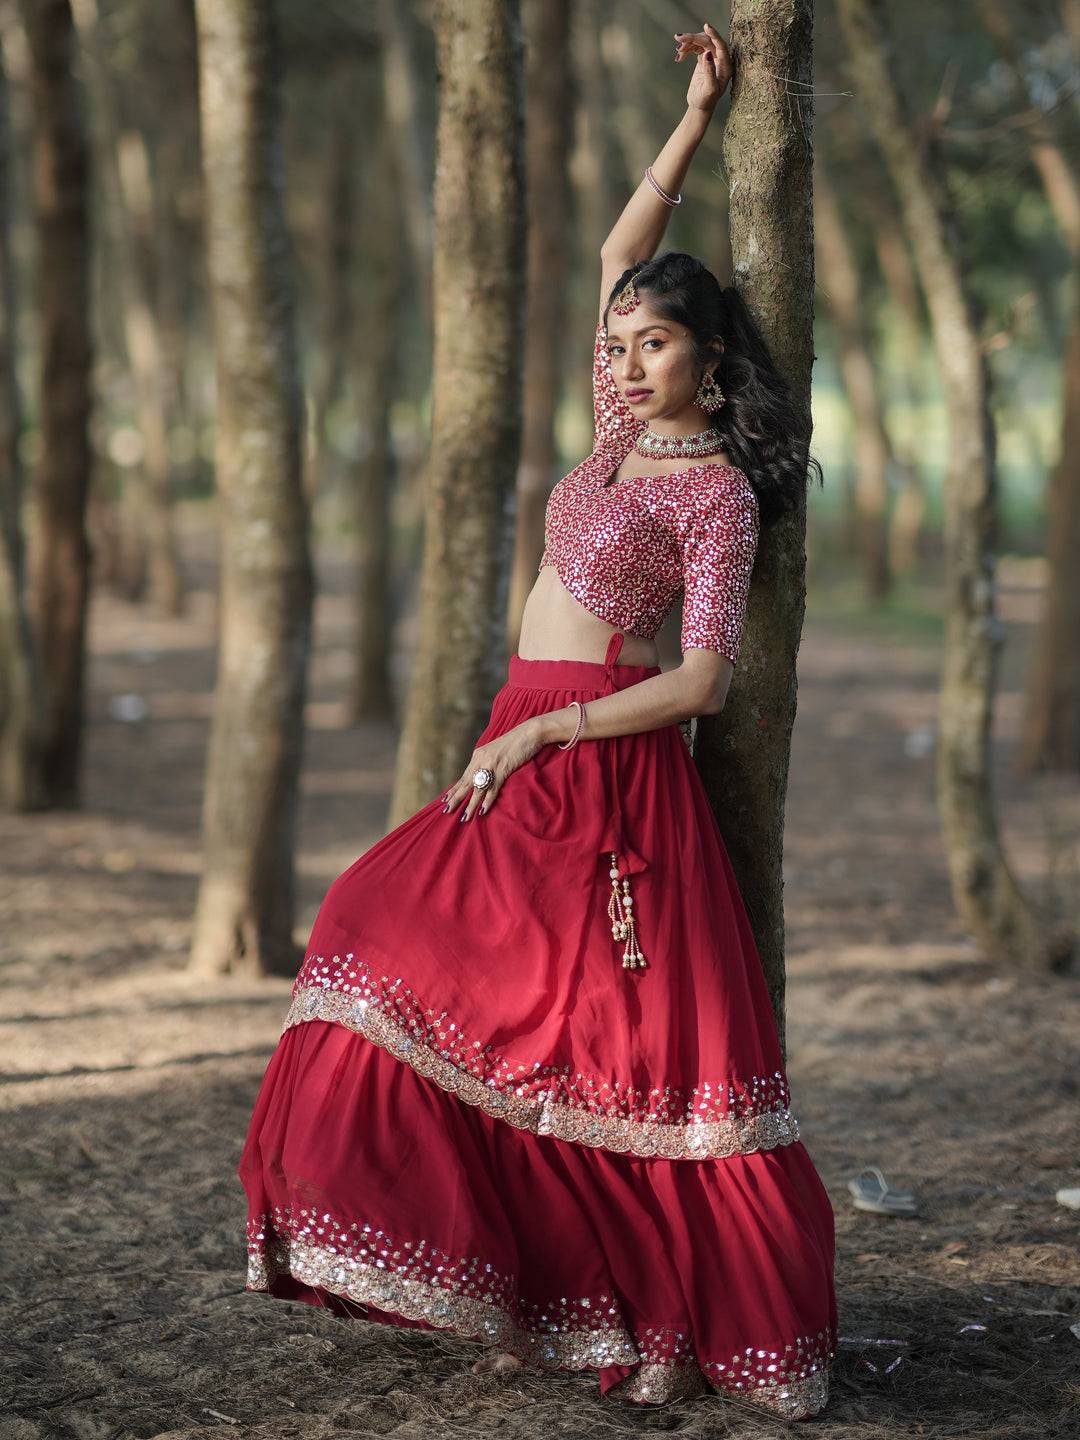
[(502, 756), (712, 73)]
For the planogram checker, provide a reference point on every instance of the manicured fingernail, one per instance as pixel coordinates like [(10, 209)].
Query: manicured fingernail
[(483, 809), (465, 817), (446, 809)]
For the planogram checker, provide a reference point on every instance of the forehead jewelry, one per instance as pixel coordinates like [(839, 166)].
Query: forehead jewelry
[(627, 299)]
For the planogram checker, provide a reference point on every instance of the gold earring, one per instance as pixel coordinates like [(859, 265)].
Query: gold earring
[(709, 397)]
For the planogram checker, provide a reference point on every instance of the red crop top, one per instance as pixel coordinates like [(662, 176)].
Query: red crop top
[(625, 551)]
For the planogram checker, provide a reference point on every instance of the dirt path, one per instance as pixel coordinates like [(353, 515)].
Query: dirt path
[(125, 1088)]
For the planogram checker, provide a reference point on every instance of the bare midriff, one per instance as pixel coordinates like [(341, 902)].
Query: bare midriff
[(555, 626)]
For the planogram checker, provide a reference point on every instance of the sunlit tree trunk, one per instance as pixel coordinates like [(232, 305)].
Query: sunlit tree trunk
[(549, 112), (743, 754), (152, 562), (842, 294), (476, 390), (245, 907), (985, 892), (21, 780), (59, 554)]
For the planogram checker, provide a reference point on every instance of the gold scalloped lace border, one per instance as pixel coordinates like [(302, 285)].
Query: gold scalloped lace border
[(472, 1300), (654, 1138)]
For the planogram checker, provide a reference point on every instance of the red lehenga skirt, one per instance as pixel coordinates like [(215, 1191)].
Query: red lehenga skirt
[(477, 1119)]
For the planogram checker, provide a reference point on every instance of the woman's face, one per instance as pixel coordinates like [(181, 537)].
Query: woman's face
[(652, 361)]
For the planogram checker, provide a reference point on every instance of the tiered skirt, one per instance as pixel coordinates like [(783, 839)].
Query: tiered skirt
[(478, 1119)]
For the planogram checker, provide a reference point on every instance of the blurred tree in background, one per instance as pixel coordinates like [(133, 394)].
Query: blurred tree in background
[(992, 88)]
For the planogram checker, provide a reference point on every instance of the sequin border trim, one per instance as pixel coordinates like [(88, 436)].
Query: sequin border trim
[(738, 1134), (358, 1264)]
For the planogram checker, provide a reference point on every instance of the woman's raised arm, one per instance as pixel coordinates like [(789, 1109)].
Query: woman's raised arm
[(640, 228)]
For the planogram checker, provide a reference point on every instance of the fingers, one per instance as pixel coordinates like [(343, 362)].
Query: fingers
[(464, 792), (706, 42)]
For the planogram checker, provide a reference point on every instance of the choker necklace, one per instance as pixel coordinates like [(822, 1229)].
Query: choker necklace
[(673, 447)]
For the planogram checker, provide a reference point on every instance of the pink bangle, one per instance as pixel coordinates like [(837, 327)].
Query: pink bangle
[(660, 191), (569, 744)]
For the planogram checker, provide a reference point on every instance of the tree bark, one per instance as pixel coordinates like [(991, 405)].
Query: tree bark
[(872, 452), (60, 554), (984, 890), (743, 754), (21, 780), (549, 112), (476, 412), (244, 914)]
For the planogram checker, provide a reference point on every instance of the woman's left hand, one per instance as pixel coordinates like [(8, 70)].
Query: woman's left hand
[(712, 73), (502, 756)]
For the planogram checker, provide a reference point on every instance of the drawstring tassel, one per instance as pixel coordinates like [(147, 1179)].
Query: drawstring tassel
[(621, 914)]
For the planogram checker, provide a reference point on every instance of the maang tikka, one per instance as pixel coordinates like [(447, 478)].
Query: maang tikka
[(627, 299)]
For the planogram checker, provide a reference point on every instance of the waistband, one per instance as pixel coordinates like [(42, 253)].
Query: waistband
[(575, 674)]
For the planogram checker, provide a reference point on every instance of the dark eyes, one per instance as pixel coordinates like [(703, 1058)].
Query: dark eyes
[(621, 349)]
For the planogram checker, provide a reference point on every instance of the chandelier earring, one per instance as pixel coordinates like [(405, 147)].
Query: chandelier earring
[(709, 397)]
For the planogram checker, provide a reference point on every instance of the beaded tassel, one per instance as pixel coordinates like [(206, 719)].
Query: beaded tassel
[(621, 914)]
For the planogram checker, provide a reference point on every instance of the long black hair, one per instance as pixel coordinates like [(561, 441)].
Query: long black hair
[(758, 422)]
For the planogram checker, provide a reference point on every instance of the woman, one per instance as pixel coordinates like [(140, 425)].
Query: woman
[(530, 1086)]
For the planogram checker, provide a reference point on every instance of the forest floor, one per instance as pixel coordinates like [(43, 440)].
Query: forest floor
[(126, 1086)]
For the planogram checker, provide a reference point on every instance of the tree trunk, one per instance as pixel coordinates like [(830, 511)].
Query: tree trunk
[(872, 452), (375, 368), (549, 112), (332, 270), (408, 140), (245, 907), (476, 389), (984, 890), (21, 779), (60, 555), (152, 559), (743, 754), (1051, 737)]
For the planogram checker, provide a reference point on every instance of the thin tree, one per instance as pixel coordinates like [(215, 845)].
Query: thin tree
[(871, 449), (375, 367), (549, 113), (151, 562), (244, 914), (59, 552), (743, 754), (1051, 732), (984, 889), (476, 388), (21, 780)]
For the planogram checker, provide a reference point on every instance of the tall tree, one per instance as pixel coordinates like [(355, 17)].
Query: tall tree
[(21, 779), (244, 914), (743, 754), (984, 889), (476, 411), (1051, 733), (871, 450), (59, 554), (549, 113), (376, 362)]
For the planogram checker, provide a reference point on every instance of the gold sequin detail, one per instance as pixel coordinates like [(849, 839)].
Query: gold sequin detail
[(417, 1281), (709, 1122), (626, 552)]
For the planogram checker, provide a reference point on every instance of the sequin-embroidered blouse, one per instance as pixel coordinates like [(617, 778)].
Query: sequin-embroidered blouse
[(625, 551)]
